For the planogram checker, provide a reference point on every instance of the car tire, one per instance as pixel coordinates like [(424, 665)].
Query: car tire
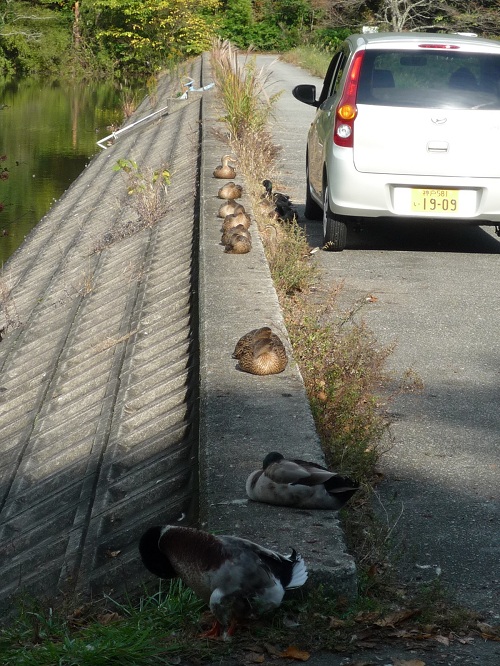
[(334, 230), (312, 210)]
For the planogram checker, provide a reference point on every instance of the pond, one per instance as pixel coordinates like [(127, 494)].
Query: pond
[(48, 133)]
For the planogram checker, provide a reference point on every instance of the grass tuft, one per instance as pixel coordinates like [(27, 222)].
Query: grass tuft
[(111, 633), (242, 87)]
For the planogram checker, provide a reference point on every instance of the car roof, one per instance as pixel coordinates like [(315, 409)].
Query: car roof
[(409, 39)]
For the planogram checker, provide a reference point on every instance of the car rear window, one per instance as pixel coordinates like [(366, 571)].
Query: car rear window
[(430, 78)]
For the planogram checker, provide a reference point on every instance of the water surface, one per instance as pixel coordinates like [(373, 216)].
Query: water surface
[(48, 133)]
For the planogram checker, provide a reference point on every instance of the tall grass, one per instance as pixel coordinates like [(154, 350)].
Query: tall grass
[(242, 87)]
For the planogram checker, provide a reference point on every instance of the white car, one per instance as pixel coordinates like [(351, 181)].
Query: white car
[(408, 126)]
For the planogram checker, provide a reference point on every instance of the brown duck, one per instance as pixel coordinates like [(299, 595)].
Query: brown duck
[(234, 219), (261, 352), (230, 191), (224, 170), (238, 244), (230, 207), (238, 229)]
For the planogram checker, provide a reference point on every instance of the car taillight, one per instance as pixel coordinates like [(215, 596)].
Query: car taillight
[(346, 112)]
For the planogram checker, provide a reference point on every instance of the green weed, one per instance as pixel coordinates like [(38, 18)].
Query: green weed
[(110, 633), (316, 61)]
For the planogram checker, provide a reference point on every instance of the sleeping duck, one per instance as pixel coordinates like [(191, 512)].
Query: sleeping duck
[(234, 219), (237, 578), (238, 229), (238, 244), (260, 352), (230, 191), (230, 207), (298, 483), (224, 170)]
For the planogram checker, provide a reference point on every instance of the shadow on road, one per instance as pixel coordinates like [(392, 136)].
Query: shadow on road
[(410, 236)]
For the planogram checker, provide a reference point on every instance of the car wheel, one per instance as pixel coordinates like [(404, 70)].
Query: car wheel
[(312, 210), (334, 230)]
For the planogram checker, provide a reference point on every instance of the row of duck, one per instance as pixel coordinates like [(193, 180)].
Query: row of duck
[(236, 237), (236, 577)]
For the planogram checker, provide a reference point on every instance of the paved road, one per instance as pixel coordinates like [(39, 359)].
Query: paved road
[(436, 291)]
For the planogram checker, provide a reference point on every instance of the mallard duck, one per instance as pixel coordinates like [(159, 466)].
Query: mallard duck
[(275, 205), (238, 229), (230, 207), (230, 191), (275, 197), (298, 483), (237, 578), (238, 244), (234, 219), (261, 352), (224, 170)]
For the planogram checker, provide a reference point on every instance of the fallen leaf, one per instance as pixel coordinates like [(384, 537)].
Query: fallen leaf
[(293, 652), (444, 640), (336, 622), (367, 616), (254, 658), (272, 650), (371, 299), (395, 618), (113, 553), (489, 630), (409, 662), (107, 618)]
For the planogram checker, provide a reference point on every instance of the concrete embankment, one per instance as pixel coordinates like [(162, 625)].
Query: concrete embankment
[(117, 377)]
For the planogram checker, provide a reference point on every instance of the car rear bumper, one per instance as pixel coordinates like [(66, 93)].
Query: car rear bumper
[(357, 194)]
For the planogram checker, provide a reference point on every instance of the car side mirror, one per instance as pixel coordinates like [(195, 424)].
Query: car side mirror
[(306, 93)]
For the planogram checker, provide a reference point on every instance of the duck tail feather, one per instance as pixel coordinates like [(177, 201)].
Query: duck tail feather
[(339, 484), (299, 571)]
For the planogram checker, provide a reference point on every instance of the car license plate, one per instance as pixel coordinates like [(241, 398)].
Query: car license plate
[(434, 201)]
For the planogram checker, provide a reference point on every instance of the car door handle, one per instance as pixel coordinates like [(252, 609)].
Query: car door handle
[(438, 147)]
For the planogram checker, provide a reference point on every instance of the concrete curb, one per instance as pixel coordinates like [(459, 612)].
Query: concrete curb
[(242, 416)]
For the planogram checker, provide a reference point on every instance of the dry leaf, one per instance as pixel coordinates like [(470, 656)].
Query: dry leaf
[(371, 299), (367, 616), (254, 658), (444, 640), (293, 652), (489, 631), (336, 622), (395, 618), (108, 618), (409, 662), (113, 553), (272, 650)]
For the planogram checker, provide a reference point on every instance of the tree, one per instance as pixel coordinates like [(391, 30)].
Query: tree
[(34, 38), (143, 35)]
